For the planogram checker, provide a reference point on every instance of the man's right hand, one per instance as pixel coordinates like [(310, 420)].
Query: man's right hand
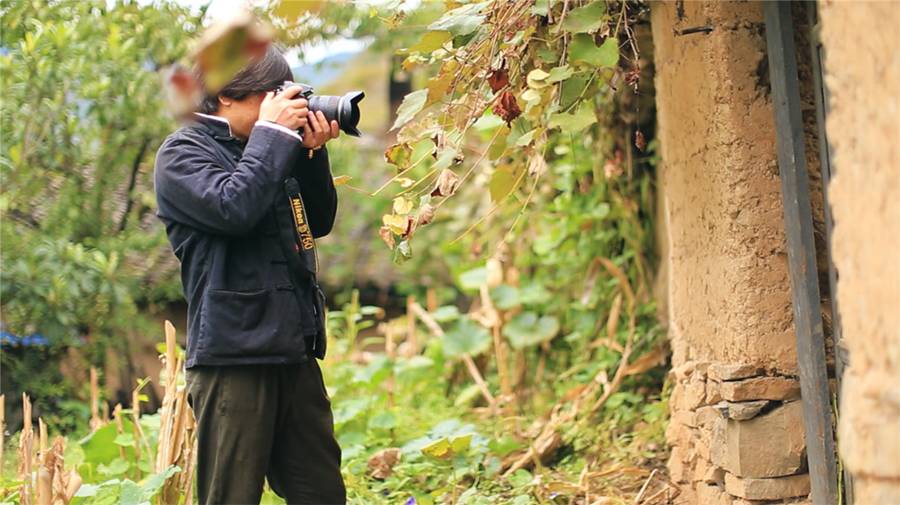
[(283, 109)]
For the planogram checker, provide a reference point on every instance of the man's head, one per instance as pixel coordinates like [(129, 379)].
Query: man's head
[(239, 100)]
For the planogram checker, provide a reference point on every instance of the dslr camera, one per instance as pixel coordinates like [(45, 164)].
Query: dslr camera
[(343, 109)]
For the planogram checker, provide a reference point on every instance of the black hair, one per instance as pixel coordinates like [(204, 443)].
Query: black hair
[(263, 74)]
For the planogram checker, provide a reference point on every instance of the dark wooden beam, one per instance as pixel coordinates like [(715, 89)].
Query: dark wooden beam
[(817, 417)]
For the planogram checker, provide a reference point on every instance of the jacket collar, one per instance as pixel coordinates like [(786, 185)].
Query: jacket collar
[(217, 125)]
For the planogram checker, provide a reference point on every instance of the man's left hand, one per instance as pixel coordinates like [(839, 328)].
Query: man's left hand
[(317, 131)]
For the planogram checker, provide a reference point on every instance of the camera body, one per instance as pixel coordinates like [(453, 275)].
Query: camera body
[(343, 109), (306, 91)]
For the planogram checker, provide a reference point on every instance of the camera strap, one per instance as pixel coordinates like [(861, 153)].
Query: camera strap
[(303, 262), (304, 241)]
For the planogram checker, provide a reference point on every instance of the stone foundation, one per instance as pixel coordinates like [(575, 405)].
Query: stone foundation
[(736, 435)]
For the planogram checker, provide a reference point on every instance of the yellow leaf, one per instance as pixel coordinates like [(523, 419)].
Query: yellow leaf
[(437, 449), (439, 84), (341, 180), (397, 224), (405, 182), (402, 205), (461, 444)]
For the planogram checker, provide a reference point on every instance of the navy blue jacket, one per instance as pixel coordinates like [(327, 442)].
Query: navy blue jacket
[(226, 211)]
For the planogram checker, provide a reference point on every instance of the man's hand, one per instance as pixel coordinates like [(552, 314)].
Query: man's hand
[(317, 131), (285, 110)]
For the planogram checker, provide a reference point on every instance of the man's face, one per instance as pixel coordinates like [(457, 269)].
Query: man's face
[(242, 114)]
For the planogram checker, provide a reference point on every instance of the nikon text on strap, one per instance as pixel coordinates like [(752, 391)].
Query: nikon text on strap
[(306, 244), (300, 251)]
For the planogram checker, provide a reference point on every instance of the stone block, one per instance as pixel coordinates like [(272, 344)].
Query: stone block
[(713, 392), (742, 411), (712, 495), (769, 445), (705, 471), (683, 371), (767, 489), (694, 393), (732, 371), (761, 388), (685, 417), (678, 434), (706, 416), (677, 470)]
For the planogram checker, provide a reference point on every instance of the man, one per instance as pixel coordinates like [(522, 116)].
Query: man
[(255, 318)]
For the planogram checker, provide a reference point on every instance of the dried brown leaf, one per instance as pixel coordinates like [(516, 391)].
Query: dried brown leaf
[(447, 182)]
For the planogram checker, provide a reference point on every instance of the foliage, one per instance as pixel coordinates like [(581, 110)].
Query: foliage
[(81, 116)]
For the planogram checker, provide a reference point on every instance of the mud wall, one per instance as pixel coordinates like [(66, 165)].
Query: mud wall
[(862, 75), (736, 431)]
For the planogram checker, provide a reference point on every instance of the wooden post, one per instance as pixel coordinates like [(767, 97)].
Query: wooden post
[(817, 418)]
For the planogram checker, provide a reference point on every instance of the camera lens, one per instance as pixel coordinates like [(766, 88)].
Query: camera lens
[(344, 109)]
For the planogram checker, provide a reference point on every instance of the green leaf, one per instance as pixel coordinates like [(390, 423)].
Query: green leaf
[(473, 279), (117, 466), (130, 494), (583, 50), (154, 483), (572, 88), (559, 74), (124, 439), (445, 159), (462, 20), (383, 420), (574, 123), (504, 445), (468, 396), (488, 122), (412, 104), (100, 447), (466, 337), (87, 491), (505, 297), (520, 478), (445, 313), (431, 41), (526, 139), (585, 19), (542, 7), (526, 329), (533, 294)]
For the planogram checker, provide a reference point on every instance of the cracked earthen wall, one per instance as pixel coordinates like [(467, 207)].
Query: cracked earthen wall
[(736, 431), (862, 75)]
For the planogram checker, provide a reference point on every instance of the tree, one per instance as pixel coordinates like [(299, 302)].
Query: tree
[(81, 116)]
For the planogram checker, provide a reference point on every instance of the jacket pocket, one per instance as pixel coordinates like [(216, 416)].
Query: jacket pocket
[(251, 323)]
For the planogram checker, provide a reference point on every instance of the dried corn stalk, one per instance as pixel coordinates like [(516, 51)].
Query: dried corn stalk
[(26, 452), (50, 483), (177, 430)]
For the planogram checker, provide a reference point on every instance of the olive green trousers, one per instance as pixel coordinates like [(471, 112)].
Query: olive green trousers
[(257, 422)]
